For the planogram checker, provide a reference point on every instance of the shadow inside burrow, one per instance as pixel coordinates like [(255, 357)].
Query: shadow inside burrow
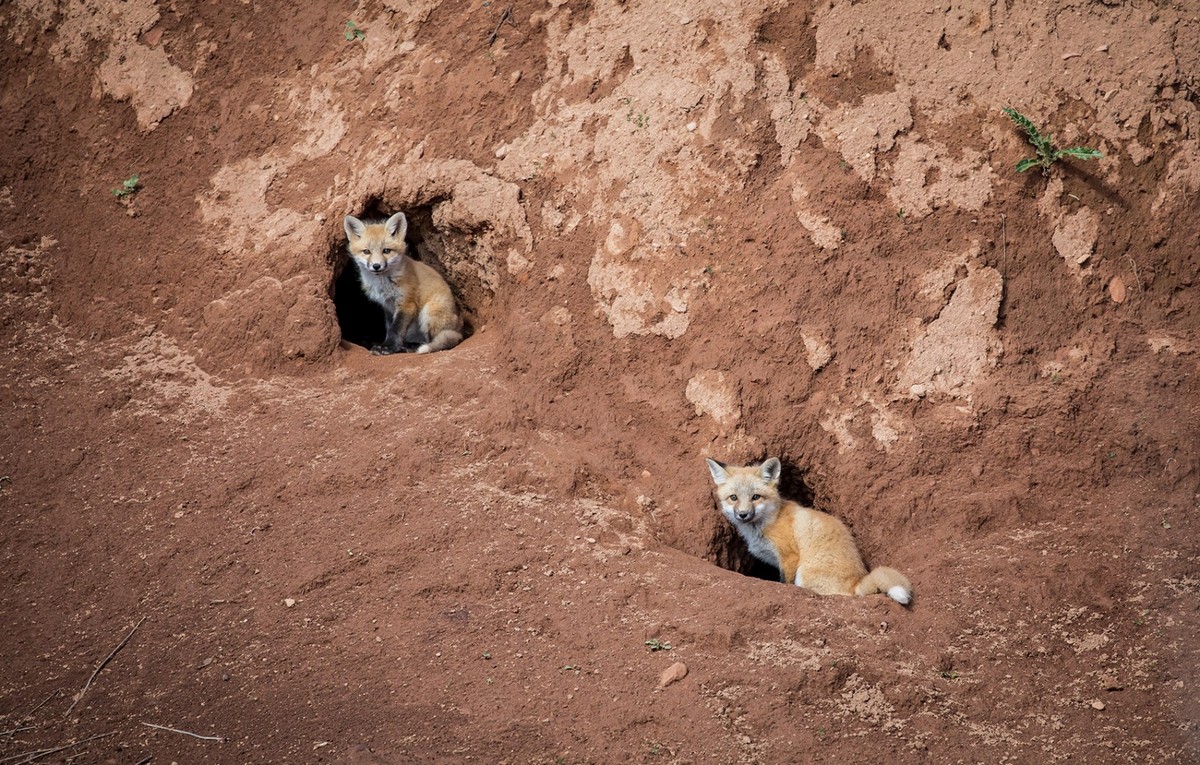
[(727, 549)]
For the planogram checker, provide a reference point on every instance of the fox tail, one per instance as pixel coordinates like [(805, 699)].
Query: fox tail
[(888, 581), (447, 338)]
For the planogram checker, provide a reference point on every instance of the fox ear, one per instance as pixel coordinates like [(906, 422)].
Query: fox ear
[(770, 470), (354, 227), (397, 225), (719, 473)]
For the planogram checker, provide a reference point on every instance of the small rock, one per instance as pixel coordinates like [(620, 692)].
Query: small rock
[(1098, 705), (691, 127), (289, 602), (672, 674), (515, 77), (1116, 289), (502, 152), (1110, 683), (917, 390), (205, 663)]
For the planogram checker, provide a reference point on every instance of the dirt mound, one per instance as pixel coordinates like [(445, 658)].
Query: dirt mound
[(678, 231)]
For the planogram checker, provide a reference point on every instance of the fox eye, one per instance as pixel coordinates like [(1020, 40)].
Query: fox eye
[(733, 498), (756, 497), (387, 250), (366, 252)]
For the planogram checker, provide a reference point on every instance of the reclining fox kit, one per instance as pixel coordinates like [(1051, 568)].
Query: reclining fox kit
[(417, 303), (810, 548)]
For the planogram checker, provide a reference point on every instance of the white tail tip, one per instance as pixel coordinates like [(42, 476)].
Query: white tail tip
[(900, 595)]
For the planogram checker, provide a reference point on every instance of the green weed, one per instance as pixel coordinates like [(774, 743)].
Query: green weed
[(354, 31), (128, 187), (1047, 155), (639, 120), (654, 644)]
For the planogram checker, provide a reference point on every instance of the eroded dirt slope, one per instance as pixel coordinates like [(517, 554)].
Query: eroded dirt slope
[(680, 230)]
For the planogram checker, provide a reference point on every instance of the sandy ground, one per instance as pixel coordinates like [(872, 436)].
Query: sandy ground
[(678, 230)]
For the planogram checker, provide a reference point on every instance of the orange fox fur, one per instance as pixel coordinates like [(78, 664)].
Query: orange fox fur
[(420, 310), (810, 548)]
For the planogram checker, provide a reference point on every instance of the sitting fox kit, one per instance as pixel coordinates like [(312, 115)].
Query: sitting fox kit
[(810, 548), (419, 307)]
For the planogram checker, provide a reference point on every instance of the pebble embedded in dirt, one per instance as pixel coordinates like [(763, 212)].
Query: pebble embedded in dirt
[(672, 674), (1098, 705), (1116, 290)]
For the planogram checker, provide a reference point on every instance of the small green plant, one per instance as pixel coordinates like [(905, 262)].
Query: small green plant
[(949, 674), (128, 187), (354, 31), (1047, 155), (654, 644)]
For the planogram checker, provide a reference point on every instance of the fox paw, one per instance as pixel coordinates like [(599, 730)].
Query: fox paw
[(385, 350)]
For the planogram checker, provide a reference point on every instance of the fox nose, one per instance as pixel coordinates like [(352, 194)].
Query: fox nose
[(376, 266), (744, 515)]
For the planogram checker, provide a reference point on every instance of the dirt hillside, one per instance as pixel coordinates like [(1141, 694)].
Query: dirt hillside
[(679, 229)]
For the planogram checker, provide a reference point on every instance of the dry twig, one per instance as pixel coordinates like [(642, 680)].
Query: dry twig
[(100, 666), (506, 16), (45, 701), (1136, 277), (38, 754), (185, 732)]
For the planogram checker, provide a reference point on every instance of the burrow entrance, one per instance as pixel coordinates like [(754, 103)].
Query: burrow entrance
[(728, 550), (361, 321)]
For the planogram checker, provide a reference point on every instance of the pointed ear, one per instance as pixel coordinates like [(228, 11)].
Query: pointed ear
[(397, 226), (354, 227), (771, 470), (719, 473)]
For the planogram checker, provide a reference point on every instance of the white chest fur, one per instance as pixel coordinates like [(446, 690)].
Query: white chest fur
[(760, 547), (379, 288)]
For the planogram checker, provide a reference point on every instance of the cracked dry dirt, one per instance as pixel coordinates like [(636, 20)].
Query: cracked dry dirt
[(679, 230)]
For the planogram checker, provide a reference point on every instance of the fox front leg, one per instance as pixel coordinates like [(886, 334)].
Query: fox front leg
[(397, 328)]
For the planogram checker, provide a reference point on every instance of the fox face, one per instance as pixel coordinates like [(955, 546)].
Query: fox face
[(748, 495), (377, 248)]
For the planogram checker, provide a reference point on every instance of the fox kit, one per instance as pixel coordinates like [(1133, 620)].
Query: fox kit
[(810, 548), (416, 300)]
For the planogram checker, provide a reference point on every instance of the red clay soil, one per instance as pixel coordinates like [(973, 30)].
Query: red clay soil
[(679, 229)]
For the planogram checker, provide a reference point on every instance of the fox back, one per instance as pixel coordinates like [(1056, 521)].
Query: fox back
[(810, 548)]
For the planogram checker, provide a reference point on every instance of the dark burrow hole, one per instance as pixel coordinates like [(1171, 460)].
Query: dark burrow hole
[(361, 321), (727, 548)]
